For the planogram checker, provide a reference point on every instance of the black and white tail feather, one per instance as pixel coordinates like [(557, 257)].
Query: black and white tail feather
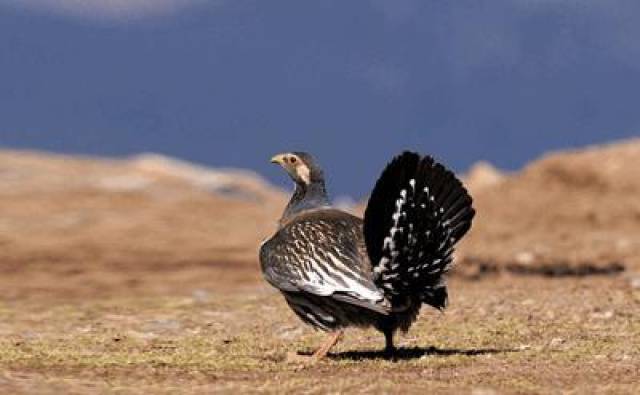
[(417, 212)]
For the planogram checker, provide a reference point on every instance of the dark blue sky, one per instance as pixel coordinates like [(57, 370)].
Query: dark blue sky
[(229, 83)]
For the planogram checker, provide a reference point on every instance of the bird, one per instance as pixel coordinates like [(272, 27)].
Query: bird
[(336, 270)]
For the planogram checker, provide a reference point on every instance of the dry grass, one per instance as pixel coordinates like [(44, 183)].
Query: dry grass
[(503, 333)]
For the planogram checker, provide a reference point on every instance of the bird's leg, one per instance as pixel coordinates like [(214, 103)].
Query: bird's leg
[(389, 349), (326, 346)]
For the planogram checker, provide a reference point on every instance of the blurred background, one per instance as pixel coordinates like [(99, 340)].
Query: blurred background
[(229, 83), (137, 133)]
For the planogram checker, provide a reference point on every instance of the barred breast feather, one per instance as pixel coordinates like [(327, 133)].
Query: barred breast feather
[(321, 253)]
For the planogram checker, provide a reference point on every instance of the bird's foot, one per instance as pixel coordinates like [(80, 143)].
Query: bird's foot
[(318, 355), (322, 352)]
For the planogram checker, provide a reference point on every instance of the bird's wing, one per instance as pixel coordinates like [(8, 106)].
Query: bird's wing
[(320, 255)]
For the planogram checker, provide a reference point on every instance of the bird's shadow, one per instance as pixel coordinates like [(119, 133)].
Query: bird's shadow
[(408, 353)]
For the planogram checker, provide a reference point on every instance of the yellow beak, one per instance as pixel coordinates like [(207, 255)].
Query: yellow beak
[(279, 159)]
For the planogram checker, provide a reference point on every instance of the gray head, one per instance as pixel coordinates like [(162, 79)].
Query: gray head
[(301, 167), (310, 192)]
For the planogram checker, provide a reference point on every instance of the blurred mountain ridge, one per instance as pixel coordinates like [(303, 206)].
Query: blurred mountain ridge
[(569, 212)]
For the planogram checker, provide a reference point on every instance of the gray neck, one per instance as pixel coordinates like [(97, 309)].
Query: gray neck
[(306, 197)]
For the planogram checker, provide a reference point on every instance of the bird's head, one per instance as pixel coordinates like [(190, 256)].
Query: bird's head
[(300, 166)]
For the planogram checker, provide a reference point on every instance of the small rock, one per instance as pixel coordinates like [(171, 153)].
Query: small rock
[(525, 258), (635, 282), (142, 335), (605, 315), (523, 347), (556, 342)]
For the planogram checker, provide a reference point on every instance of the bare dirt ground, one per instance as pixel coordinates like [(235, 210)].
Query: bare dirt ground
[(502, 334), (140, 276), (575, 211)]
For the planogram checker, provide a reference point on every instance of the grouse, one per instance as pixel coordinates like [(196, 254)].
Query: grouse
[(336, 270)]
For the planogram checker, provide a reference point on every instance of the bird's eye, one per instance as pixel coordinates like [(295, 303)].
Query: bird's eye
[(293, 159)]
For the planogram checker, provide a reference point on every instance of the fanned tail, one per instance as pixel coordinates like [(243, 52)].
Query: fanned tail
[(417, 212)]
